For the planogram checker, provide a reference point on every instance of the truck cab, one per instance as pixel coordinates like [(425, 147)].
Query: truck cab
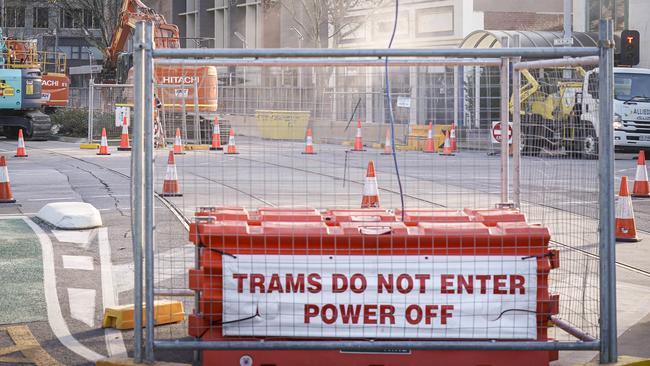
[(631, 107)]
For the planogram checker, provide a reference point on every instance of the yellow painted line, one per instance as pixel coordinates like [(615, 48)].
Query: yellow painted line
[(26, 344)]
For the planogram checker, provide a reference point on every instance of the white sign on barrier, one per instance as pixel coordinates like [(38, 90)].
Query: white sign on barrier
[(120, 113), (461, 297), (404, 102)]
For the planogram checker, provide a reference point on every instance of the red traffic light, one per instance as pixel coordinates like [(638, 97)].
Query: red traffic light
[(630, 39)]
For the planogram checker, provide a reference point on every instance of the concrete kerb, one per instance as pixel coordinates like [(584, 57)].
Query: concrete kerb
[(622, 361)]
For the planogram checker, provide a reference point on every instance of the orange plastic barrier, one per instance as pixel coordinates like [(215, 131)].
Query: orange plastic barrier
[(234, 232)]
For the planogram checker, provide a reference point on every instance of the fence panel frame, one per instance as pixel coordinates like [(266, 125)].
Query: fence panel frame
[(143, 194)]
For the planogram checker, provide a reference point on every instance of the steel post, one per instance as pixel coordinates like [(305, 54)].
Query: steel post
[(195, 109), (607, 240), (535, 52), (367, 346), (137, 187), (516, 130), (504, 79), (148, 186), (91, 107)]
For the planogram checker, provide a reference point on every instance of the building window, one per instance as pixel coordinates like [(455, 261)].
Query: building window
[(615, 9), (75, 53), (15, 16), (68, 19), (91, 21), (41, 18)]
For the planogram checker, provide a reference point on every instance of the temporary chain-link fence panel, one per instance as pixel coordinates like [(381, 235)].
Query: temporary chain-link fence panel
[(312, 222)]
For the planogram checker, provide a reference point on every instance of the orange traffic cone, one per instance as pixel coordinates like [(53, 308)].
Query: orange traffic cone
[(388, 147), (446, 148), (370, 188), (358, 140), (5, 186), (178, 143), (641, 188), (232, 148), (20, 150), (103, 146), (625, 225), (452, 136), (216, 136), (429, 148), (309, 144), (124, 138), (170, 184)]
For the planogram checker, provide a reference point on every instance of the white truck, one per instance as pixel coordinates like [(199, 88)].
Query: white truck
[(562, 114), (631, 107)]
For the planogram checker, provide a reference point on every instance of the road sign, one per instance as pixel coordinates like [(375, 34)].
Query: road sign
[(495, 134)]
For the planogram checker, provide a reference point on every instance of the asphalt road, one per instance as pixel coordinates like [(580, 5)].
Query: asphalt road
[(561, 193)]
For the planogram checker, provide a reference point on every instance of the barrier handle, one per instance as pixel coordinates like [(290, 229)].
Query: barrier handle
[(375, 230)]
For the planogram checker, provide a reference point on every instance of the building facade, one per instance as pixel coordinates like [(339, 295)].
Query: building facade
[(55, 30)]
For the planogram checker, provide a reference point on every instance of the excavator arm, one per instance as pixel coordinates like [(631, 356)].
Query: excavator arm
[(166, 35)]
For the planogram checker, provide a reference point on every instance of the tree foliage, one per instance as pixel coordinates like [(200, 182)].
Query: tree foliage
[(322, 20), (106, 17)]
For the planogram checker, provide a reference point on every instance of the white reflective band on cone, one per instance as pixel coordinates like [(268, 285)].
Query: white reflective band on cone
[(231, 140), (171, 174), (370, 187), (21, 143), (452, 133), (358, 132), (430, 134), (215, 129), (4, 175), (641, 174), (104, 141), (309, 140), (624, 209)]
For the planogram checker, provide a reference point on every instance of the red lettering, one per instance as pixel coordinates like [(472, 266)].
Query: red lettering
[(409, 283), (483, 280), (467, 285), (423, 281), (430, 313), (386, 313), (358, 277), (314, 283), (240, 277), (517, 282), (370, 314), (499, 284), (444, 314), (334, 314), (382, 284), (447, 284), (350, 312), (257, 281), (409, 316), (294, 286), (339, 287), (311, 311), (274, 284)]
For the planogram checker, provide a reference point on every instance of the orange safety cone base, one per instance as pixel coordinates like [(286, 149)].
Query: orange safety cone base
[(21, 156), (179, 152), (640, 195), (628, 240), (107, 153), (8, 201), (216, 148), (171, 194), (357, 150), (450, 154), (309, 153), (124, 148), (386, 153), (231, 153)]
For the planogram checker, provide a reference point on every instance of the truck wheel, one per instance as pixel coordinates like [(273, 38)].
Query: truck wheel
[(590, 145)]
